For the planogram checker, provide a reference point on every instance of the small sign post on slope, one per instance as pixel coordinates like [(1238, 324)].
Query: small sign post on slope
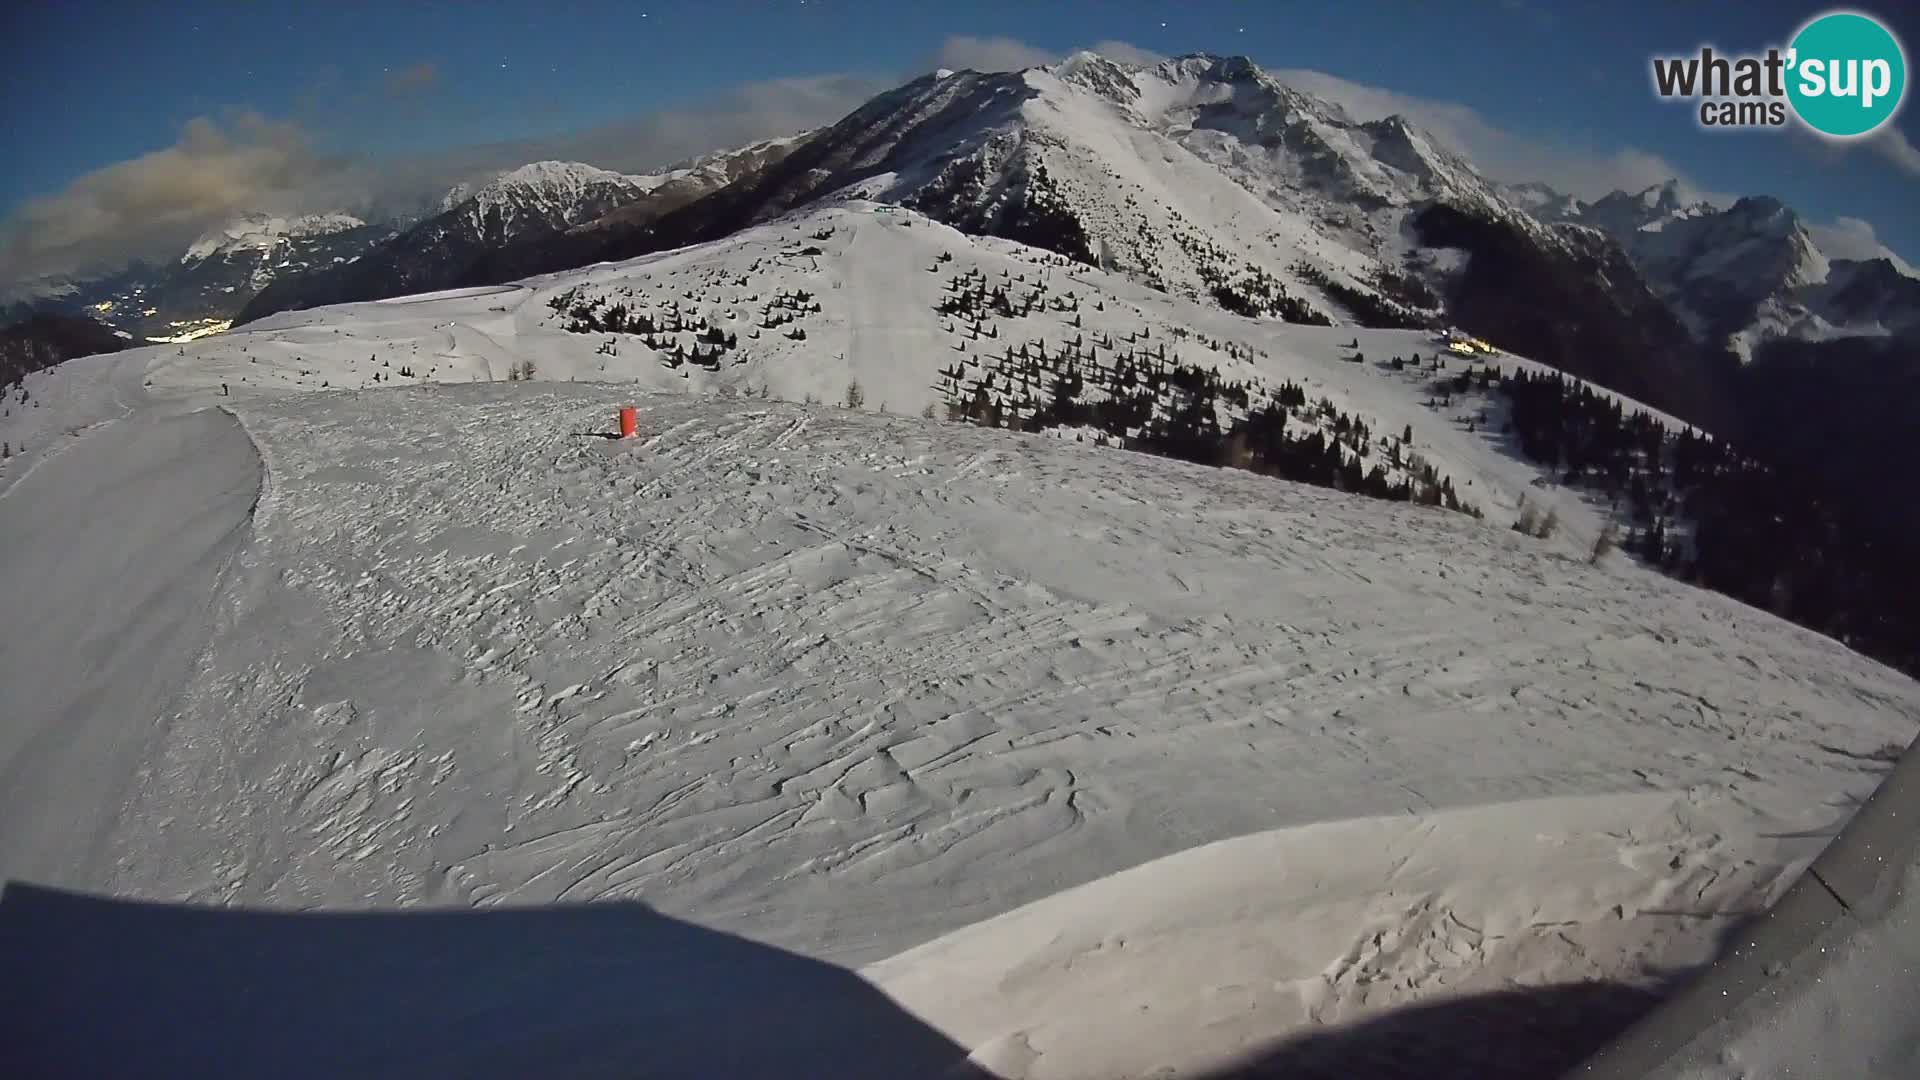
[(629, 421)]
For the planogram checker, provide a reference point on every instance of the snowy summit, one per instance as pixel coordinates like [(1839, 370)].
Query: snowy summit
[(262, 232), (559, 180), (545, 194)]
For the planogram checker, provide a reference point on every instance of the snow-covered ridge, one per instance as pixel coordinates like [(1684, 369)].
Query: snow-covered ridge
[(551, 179), (549, 192), (1199, 174), (1756, 246), (556, 183), (261, 232), (721, 157), (1389, 158)]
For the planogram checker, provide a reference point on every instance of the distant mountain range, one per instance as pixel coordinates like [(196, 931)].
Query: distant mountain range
[(1208, 177), (537, 203), (206, 286), (1746, 274), (1202, 176)]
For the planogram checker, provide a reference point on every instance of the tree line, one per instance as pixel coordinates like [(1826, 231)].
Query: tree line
[(1150, 404), (1705, 512)]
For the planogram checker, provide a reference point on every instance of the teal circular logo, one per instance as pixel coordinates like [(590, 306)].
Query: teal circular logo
[(1846, 74)]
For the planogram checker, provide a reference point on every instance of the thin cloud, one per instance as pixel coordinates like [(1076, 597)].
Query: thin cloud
[(743, 114), (413, 79), (644, 143), (1891, 144), (1894, 145), (1853, 238), (215, 170), (1126, 53), (153, 205), (1499, 153), (965, 51)]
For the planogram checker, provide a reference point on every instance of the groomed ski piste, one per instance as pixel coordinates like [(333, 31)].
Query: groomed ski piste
[(978, 749)]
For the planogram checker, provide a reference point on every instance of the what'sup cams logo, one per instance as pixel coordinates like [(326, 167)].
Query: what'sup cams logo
[(1843, 75)]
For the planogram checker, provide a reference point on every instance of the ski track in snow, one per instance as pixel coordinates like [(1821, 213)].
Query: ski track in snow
[(103, 578)]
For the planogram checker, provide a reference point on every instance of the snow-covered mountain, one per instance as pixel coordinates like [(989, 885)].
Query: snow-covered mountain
[(1745, 274), (1625, 215), (456, 195), (212, 279), (1207, 177), (1542, 201), (1202, 175), (265, 232), (1097, 764), (542, 195), (1210, 178), (1868, 296), (1736, 274), (687, 181), (537, 198), (533, 202)]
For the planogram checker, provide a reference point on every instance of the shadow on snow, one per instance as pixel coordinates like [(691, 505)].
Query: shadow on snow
[(1532, 1033), (104, 987)]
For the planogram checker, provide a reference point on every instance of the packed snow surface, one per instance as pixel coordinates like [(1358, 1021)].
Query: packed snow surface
[(98, 600), (1094, 763)]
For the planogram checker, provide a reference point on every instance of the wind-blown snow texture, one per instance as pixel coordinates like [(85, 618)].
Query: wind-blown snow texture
[(853, 685)]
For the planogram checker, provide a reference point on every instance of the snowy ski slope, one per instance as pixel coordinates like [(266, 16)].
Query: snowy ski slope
[(1095, 762)]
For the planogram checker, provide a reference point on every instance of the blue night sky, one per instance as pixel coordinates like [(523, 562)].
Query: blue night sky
[(89, 85)]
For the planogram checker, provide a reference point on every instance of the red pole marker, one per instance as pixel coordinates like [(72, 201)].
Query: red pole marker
[(629, 422)]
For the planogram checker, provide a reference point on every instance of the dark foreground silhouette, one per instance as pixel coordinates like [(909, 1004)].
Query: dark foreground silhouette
[(98, 987), (1536, 1033)]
